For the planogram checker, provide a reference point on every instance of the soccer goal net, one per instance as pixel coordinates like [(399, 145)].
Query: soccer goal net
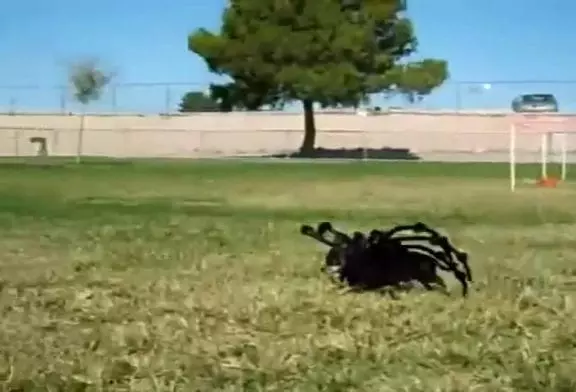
[(552, 131)]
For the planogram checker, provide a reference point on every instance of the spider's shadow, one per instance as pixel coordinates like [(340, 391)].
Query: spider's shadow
[(393, 289)]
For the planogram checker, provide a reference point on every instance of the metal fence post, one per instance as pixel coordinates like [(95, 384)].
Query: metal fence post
[(127, 137), (168, 100), (114, 93), (201, 142), (364, 135), (16, 142), (63, 100), (458, 97), (287, 144)]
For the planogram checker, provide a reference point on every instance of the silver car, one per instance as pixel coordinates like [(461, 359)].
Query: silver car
[(535, 103)]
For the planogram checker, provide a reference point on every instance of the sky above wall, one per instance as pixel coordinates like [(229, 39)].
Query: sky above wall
[(512, 47)]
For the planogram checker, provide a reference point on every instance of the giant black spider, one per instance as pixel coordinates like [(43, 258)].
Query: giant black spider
[(384, 259)]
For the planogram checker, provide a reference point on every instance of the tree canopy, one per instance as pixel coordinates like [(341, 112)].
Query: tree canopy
[(88, 80), (198, 101), (237, 95), (226, 97), (332, 52)]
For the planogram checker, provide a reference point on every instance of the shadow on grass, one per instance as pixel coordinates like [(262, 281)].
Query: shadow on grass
[(60, 162), (384, 153), (403, 165)]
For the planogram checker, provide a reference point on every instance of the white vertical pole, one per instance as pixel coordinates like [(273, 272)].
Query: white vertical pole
[(564, 155), (512, 146), (544, 154), (363, 133), (550, 147), (364, 145)]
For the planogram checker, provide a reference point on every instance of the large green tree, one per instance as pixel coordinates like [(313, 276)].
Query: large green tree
[(326, 51)]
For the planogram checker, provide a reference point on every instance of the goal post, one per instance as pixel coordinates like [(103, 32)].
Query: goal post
[(546, 126)]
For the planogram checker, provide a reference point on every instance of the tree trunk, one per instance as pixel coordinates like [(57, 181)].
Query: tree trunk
[(80, 139), (309, 141)]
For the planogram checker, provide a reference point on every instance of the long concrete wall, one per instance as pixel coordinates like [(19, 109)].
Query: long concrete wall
[(225, 134)]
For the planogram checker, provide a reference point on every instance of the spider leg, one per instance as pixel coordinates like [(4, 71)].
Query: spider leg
[(395, 230), (333, 260), (445, 256), (440, 282), (310, 232), (463, 258), (437, 257), (324, 227), (418, 227), (437, 239), (339, 236), (428, 260), (461, 276), (454, 253), (449, 252), (306, 229)]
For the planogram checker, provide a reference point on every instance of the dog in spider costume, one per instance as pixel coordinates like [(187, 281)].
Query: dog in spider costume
[(383, 259)]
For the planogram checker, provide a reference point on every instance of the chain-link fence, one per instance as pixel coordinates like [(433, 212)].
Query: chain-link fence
[(145, 98), (154, 98)]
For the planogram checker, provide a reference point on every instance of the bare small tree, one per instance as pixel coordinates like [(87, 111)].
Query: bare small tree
[(88, 81)]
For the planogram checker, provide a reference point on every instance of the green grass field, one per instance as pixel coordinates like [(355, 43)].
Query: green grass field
[(193, 277)]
